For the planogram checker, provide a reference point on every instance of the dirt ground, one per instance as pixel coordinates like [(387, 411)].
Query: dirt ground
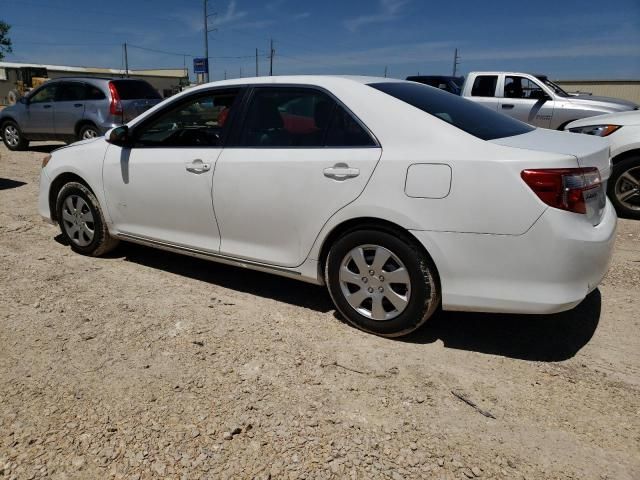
[(147, 364)]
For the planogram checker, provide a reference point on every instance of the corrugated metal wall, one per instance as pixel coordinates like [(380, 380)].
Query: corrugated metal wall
[(627, 90)]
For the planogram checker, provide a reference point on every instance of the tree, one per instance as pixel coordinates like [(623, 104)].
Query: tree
[(5, 41)]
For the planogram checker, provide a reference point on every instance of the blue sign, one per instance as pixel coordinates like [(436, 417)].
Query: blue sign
[(200, 65)]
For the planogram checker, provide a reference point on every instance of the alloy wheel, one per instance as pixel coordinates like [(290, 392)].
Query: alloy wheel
[(627, 189), (375, 282), (78, 220), (11, 135)]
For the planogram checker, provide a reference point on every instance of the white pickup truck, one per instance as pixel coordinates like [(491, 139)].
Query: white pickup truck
[(535, 99)]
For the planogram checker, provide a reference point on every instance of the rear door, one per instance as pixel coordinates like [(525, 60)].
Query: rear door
[(69, 107), (483, 91), (525, 100), (299, 158), (136, 97), (39, 111)]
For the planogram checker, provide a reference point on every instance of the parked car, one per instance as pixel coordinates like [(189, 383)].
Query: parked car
[(623, 132), (401, 197), (536, 100), (443, 82), (70, 109)]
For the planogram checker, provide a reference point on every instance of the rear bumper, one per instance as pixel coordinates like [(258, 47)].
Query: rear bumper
[(549, 269)]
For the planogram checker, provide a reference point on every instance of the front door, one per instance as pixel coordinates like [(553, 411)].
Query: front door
[(300, 157), (160, 188), (526, 101), (39, 111)]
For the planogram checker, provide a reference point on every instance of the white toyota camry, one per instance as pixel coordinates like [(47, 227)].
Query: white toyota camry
[(399, 197)]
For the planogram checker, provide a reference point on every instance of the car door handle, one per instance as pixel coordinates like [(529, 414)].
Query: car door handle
[(341, 171), (508, 106), (198, 166), (77, 105), (46, 106)]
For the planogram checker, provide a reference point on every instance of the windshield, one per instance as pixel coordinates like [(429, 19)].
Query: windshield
[(554, 86), (468, 116)]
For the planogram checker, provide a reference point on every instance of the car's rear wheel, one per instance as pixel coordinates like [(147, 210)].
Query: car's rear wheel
[(624, 187), (82, 222), (87, 132), (12, 136), (382, 283)]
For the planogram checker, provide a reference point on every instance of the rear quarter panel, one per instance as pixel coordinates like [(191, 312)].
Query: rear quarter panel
[(487, 194)]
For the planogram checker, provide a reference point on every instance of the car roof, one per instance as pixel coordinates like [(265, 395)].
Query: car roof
[(312, 80), (88, 79)]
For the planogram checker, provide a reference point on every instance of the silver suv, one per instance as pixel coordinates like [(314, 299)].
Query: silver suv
[(71, 109)]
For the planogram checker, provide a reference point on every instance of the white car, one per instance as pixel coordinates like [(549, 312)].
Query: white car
[(623, 132), (398, 196)]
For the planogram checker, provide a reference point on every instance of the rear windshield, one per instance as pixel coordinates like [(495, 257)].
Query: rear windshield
[(135, 90), (471, 117)]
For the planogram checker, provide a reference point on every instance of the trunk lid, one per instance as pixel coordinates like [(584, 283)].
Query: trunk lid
[(589, 151)]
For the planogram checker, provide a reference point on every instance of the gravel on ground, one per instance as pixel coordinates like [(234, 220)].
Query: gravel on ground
[(146, 364)]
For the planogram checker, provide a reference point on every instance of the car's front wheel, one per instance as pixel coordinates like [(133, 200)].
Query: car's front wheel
[(382, 283), (12, 136), (624, 187), (82, 222)]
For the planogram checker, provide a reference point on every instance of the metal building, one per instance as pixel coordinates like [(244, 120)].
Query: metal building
[(624, 89), (166, 81)]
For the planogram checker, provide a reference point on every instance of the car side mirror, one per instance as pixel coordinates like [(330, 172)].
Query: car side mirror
[(24, 100), (119, 136)]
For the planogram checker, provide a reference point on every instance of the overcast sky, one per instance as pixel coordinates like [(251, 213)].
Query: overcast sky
[(565, 39)]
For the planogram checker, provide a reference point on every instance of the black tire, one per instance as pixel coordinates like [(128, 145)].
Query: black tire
[(101, 242), (10, 131), (617, 186), (424, 297), (88, 131)]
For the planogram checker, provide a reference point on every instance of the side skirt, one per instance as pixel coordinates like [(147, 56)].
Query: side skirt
[(216, 257)]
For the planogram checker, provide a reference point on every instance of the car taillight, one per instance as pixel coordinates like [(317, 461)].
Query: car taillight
[(564, 188), (116, 105)]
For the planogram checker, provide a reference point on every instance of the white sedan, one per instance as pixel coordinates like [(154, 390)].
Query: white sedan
[(399, 197), (623, 132)]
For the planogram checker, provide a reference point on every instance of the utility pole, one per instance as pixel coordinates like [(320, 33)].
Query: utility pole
[(386, 71), (456, 62), (206, 37), (206, 40), (225, 74), (271, 54), (126, 61), (240, 72), (256, 62)]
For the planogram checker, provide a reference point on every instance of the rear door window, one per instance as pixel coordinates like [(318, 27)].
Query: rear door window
[(290, 117), (135, 90), (484, 86), (464, 114), (346, 131), (287, 118), (71, 92)]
